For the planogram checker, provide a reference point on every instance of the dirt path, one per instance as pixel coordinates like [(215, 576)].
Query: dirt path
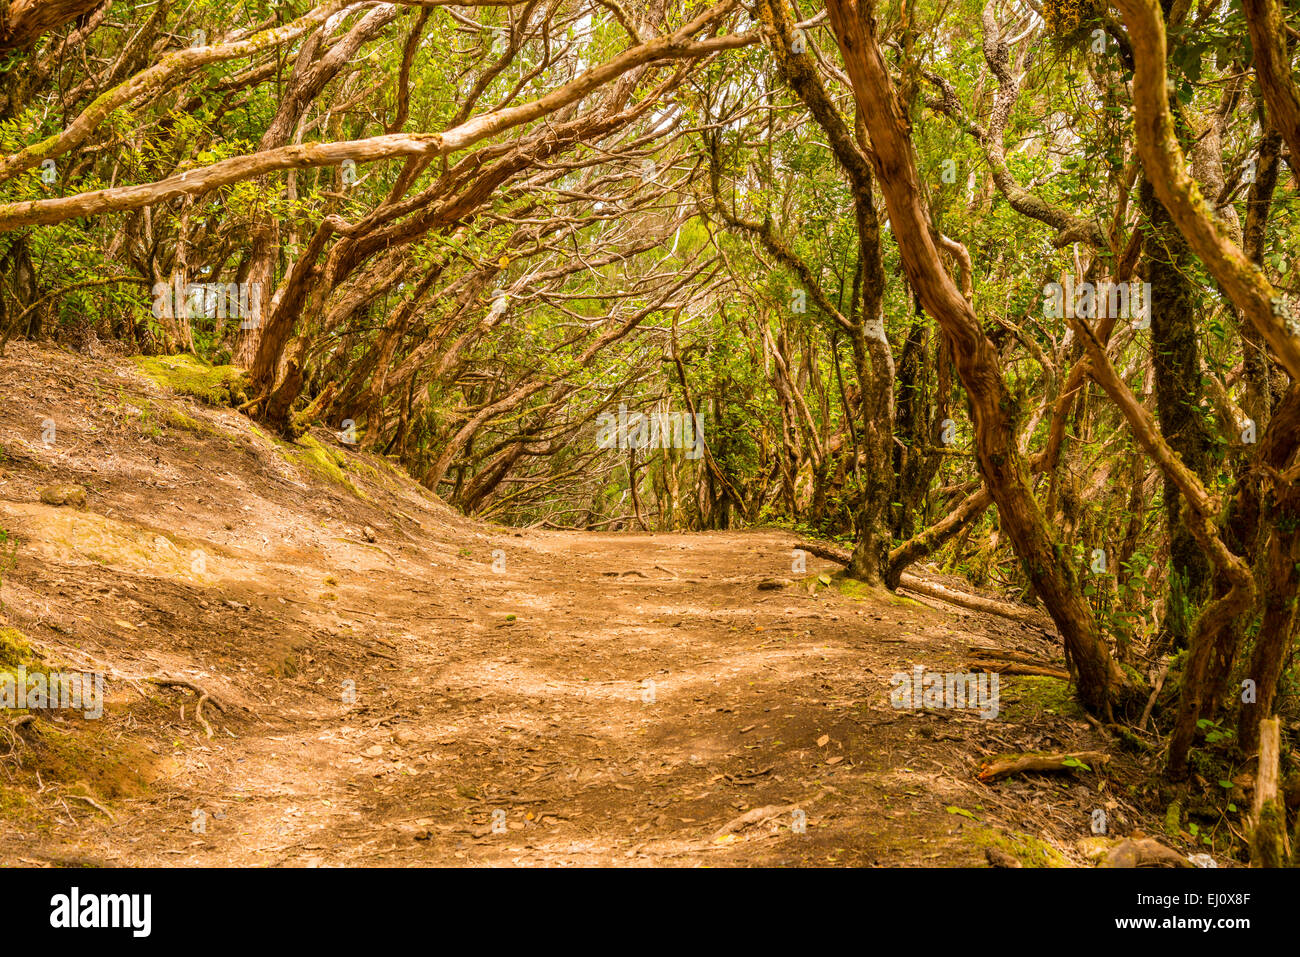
[(403, 686)]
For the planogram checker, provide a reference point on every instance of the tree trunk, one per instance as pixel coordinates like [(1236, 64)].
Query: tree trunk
[(1177, 364), (1101, 682)]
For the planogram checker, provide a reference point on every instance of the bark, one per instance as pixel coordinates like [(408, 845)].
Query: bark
[(1281, 572), (169, 71), (915, 424), (873, 358), (1267, 26), (934, 537), (1070, 228), (23, 22), (1176, 362), (309, 77)]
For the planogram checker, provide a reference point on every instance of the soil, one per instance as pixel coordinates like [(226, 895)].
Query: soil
[(405, 686)]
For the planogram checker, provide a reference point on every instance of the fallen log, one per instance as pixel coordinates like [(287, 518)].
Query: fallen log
[(993, 653), (832, 553), (994, 666), (1015, 764), (989, 606), (920, 586)]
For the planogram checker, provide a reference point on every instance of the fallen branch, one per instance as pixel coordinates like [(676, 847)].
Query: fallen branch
[(1018, 668), (832, 553), (1015, 764), (756, 816), (986, 653), (760, 814), (989, 606)]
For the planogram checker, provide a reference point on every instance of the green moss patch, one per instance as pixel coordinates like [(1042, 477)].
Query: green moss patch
[(15, 650), (179, 420), (90, 763), (324, 462), (860, 591), (854, 589), (187, 374), (1027, 698), (1028, 850)]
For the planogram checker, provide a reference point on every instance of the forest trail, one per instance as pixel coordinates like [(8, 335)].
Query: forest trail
[(521, 696)]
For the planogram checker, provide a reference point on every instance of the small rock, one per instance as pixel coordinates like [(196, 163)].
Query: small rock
[(772, 584), (73, 495), (368, 533), (1000, 858), (374, 751), (404, 736)]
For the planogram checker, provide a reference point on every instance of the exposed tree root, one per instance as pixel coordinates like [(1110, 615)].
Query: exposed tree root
[(96, 805), (167, 681), (752, 817)]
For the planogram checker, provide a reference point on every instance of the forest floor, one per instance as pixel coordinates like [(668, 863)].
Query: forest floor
[(521, 696)]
